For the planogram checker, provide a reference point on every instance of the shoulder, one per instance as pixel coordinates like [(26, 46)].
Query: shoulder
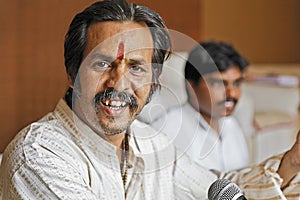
[(184, 112), (42, 138), (174, 115), (179, 118), (148, 137), (231, 122), (140, 128)]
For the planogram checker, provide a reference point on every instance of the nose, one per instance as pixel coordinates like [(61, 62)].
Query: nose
[(231, 91), (117, 78)]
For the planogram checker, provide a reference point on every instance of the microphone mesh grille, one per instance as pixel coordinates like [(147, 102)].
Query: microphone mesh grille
[(223, 189)]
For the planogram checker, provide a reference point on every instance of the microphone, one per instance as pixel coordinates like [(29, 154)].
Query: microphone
[(223, 189)]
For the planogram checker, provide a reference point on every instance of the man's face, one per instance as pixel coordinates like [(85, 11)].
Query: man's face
[(217, 93), (114, 79)]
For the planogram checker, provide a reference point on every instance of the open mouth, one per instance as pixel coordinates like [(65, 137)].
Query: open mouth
[(114, 104), (113, 107), (229, 104)]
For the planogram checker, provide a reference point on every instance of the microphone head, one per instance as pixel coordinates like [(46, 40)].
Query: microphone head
[(223, 189)]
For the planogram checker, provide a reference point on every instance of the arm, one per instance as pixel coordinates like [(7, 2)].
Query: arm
[(290, 163), (275, 178), (33, 168), (44, 178)]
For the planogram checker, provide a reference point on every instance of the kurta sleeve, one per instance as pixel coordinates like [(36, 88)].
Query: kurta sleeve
[(35, 170), (257, 182), (263, 182)]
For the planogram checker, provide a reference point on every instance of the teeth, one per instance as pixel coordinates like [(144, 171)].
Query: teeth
[(114, 103), (229, 104), (115, 108)]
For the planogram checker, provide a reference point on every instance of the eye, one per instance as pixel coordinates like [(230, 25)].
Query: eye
[(216, 84), (136, 69), (101, 65), (238, 83)]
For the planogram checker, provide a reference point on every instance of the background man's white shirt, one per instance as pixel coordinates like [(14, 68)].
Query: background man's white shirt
[(193, 135)]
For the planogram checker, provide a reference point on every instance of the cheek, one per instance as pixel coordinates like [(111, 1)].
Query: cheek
[(90, 83), (238, 93), (216, 96), (141, 85), (203, 97), (142, 91)]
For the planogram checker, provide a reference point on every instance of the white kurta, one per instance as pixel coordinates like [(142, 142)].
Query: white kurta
[(193, 135), (60, 157)]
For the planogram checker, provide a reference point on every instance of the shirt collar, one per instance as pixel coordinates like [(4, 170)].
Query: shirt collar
[(81, 130), (199, 117), (86, 136)]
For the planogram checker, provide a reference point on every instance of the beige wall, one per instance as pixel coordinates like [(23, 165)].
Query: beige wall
[(180, 16), (264, 30), (32, 71)]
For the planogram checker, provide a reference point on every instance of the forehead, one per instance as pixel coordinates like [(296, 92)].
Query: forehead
[(107, 37), (231, 73)]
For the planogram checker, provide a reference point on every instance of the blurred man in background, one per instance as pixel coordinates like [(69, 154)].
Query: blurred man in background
[(204, 127)]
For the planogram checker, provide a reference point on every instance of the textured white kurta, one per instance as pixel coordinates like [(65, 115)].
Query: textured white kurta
[(59, 157), (193, 135)]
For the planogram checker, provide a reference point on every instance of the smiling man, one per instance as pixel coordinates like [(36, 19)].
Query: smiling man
[(92, 147), (115, 77)]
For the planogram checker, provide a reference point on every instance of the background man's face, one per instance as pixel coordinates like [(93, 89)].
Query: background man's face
[(114, 80), (218, 92)]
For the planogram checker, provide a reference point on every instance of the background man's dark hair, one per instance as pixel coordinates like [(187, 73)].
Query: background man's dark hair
[(115, 10), (209, 57)]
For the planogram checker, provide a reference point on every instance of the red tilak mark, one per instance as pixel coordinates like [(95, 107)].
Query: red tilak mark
[(120, 54)]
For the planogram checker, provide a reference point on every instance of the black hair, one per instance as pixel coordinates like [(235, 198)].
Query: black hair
[(208, 57), (115, 10)]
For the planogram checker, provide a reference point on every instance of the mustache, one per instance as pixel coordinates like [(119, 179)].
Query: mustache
[(112, 93), (234, 100)]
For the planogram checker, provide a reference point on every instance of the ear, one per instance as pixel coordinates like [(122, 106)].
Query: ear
[(70, 81), (192, 97), (156, 71), (189, 88)]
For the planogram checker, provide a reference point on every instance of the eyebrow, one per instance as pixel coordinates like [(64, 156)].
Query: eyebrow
[(101, 56), (133, 61), (219, 79), (239, 79), (137, 61), (214, 79)]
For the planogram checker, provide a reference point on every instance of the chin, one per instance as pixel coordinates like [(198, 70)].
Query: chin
[(228, 113), (115, 126)]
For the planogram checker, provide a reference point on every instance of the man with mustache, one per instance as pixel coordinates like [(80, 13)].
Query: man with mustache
[(204, 127), (92, 147)]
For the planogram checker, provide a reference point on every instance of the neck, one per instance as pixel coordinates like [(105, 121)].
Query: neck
[(116, 139), (212, 121)]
